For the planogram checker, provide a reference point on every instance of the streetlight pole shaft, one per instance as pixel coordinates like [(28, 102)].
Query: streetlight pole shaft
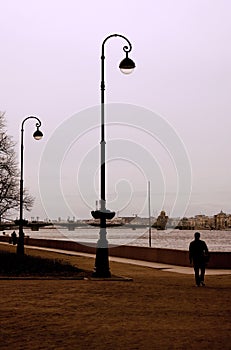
[(102, 262), (102, 142), (126, 49), (20, 245), (149, 215)]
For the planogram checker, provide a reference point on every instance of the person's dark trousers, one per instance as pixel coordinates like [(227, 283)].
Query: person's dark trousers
[(199, 273)]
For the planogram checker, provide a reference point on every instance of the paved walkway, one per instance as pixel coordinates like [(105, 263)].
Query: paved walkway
[(154, 265)]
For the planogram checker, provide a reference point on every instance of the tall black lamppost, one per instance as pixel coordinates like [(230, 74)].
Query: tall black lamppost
[(37, 136), (101, 262)]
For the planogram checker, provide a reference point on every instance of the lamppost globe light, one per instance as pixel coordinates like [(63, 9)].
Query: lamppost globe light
[(127, 65), (37, 134)]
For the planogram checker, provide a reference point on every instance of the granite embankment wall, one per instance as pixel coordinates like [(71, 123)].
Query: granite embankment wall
[(218, 260)]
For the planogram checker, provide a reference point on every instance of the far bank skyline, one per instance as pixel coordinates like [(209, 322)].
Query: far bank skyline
[(134, 216)]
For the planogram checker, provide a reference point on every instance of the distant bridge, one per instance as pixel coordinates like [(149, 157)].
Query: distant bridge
[(70, 225), (33, 225)]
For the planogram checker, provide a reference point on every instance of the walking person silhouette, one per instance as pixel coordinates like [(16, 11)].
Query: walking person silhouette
[(198, 255)]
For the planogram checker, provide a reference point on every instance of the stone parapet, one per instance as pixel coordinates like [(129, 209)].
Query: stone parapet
[(218, 260)]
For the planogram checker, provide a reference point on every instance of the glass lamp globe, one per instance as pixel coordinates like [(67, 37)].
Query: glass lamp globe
[(38, 134), (127, 65)]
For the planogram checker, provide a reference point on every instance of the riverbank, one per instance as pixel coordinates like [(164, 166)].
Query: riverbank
[(218, 260), (158, 310)]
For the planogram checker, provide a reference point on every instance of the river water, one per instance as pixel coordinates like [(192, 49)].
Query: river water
[(219, 241)]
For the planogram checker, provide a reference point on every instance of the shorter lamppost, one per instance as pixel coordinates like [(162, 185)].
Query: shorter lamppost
[(101, 261), (37, 136)]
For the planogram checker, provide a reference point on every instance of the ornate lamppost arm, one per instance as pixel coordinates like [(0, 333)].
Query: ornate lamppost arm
[(126, 49)]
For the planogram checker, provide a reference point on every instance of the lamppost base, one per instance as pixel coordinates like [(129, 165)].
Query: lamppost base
[(20, 245), (101, 269)]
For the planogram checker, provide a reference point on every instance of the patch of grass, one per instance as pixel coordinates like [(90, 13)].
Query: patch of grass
[(12, 264)]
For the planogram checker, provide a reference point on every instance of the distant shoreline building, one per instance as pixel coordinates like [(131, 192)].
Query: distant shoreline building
[(161, 221), (220, 221)]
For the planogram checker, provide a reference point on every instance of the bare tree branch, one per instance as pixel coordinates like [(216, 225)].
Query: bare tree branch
[(9, 174)]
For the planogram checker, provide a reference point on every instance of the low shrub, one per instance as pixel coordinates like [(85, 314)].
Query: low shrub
[(12, 264)]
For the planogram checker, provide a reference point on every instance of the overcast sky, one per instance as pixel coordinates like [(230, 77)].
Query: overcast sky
[(50, 67)]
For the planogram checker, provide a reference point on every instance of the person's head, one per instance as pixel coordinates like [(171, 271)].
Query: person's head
[(197, 235)]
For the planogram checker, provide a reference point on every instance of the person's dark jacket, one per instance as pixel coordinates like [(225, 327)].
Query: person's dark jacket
[(198, 252)]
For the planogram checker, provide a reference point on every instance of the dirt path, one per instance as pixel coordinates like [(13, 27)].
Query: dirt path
[(158, 310)]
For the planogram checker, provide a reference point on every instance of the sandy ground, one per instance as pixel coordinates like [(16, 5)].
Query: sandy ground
[(157, 310)]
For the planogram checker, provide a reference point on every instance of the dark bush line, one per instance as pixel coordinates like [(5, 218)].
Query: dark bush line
[(12, 264)]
